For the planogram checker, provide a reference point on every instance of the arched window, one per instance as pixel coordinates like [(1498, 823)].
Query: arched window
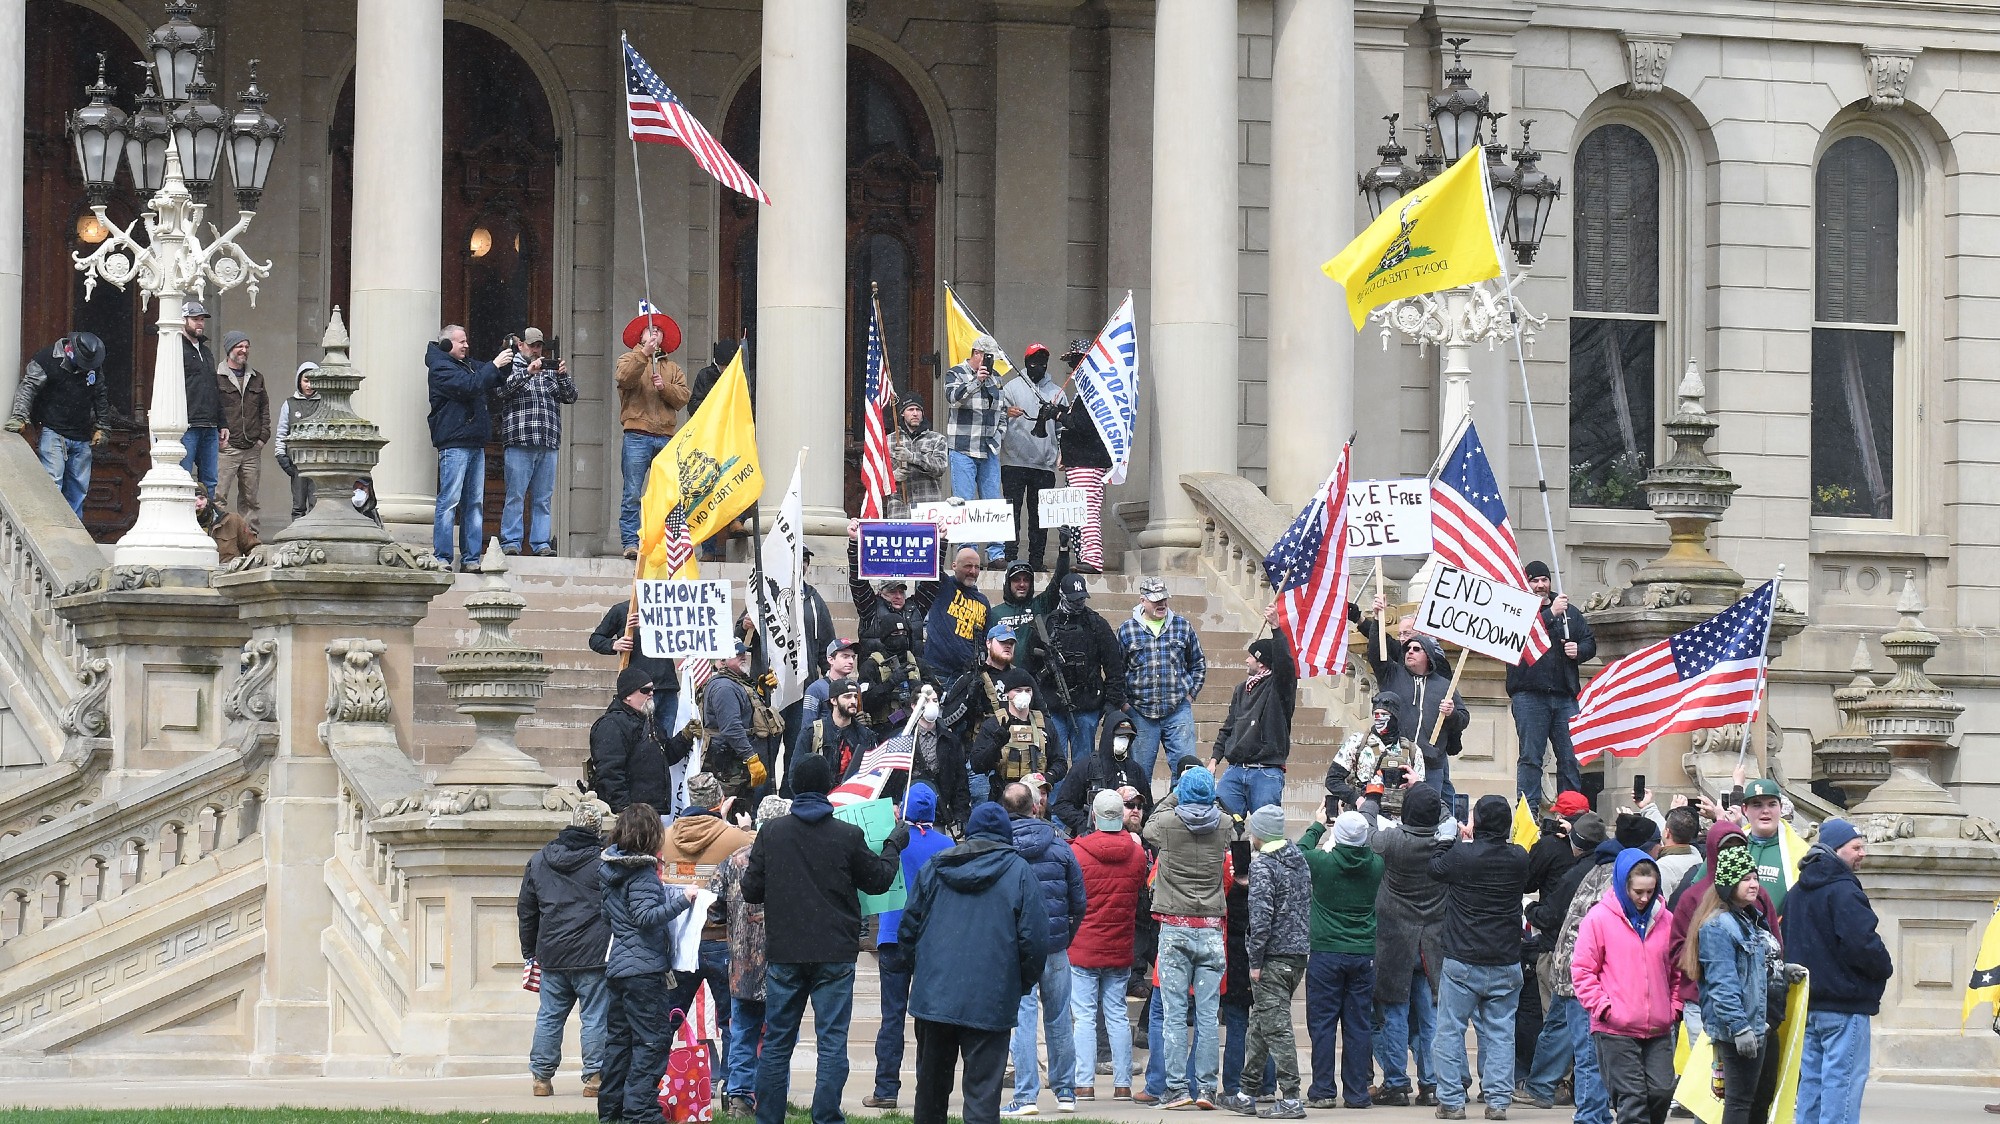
[(1857, 334), (1616, 319)]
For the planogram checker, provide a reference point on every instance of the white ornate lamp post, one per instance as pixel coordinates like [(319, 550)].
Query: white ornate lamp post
[(175, 144)]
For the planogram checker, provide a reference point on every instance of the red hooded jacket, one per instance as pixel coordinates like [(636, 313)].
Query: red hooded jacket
[(1114, 873), (1690, 991)]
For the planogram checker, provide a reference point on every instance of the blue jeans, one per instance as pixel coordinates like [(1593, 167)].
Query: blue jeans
[(639, 1032), (893, 970), (1189, 958), (1340, 997), (635, 459), (787, 987), (1053, 989), (204, 448), (1485, 996), (1554, 1049), (977, 478), (68, 464), (1541, 717), (461, 505), (746, 1040), (1834, 1070), (1593, 1099), (531, 481), (1175, 731), (1407, 1028), (1079, 733), (1246, 788), (1094, 991), (1156, 1043), (585, 989)]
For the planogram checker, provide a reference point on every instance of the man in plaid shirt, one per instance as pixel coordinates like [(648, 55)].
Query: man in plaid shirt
[(532, 398), (973, 424), (1164, 671)]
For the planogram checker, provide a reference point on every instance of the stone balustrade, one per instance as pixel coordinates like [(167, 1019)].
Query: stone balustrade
[(44, 552)]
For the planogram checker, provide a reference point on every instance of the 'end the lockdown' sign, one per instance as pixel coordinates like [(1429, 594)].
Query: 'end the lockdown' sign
[(1478, 613), (681, 620)]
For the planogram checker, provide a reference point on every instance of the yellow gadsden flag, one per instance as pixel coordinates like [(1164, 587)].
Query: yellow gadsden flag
[(1436, 237), (1984, 987), (1527, 832), (708, 472), (960, 329)]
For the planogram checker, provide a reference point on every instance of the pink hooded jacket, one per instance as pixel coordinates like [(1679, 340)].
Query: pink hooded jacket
[(1624, 979)]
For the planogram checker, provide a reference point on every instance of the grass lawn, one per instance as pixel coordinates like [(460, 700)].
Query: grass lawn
[(794, 1115)]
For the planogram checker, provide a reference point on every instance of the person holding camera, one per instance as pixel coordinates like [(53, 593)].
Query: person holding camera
[(460, 427), (1028, 449), (974, 424), (538, 386)]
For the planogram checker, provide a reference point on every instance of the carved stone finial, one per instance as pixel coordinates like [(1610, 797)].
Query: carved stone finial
[(1849, 759), (496, 681), (1889, 71), (333, 446), (1689, 394), (1688, 493), (1646, 55), (1911, 720)]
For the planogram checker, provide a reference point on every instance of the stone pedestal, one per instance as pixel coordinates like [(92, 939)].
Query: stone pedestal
[(497, 682), (1912, 719), (1849, 759)]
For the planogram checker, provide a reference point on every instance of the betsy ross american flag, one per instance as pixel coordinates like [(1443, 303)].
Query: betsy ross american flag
[(1469, 527), (1711, 675), (878, 479), (654, 114), (1308, 569)]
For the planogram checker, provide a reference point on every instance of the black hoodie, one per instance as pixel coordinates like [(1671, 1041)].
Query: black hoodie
[(1485, 880), (562, 904)]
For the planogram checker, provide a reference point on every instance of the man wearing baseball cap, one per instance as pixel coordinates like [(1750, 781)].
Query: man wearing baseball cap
[(536, 388), (1164, 671), (973, 426), (1776, 847), (839, 735), (919, 458), (62, 390), (204, 397), (1028, 449)]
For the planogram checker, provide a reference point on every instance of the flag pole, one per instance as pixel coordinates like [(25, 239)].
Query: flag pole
[(1450, 691), (638, 192), (1534, 436), (1763, 666)]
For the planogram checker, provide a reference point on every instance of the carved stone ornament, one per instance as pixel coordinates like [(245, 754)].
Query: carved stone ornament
[(251, 697), (356, 690), (89, 715), (1889, 74), (1981, 830), (409, 558), (1666, 595), (443, 803), (115, 579), (1646, 55), (277, 556)]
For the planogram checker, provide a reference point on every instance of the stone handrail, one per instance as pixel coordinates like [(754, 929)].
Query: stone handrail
[(44, 550), (152, 828), (76, 779)]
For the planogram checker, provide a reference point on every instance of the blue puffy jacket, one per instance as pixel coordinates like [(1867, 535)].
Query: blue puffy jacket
[(1061, 879), (638, 907), (975, 934), (1735, 989), (459, 387), (1830, 928)]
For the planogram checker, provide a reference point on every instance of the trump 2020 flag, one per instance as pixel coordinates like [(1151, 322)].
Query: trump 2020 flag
[(1308, 569), (1107, 386), (1439, 236)]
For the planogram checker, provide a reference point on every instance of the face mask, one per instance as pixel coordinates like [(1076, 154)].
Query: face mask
[(1121, 747), (928, 712), (1382, 723), (360, 498), (1021, 699)]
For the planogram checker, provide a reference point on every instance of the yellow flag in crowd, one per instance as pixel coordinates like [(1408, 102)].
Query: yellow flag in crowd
[(1694, 1059), (1436, 237), (1527, 832), (960, 329), (709, 471), (1984, 987)]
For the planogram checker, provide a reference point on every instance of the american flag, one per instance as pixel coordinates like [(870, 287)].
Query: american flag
[(1711, 675), (1469, 527), (872, 776), (679, 545), (654, 114), (877, 478), (1308, 569)]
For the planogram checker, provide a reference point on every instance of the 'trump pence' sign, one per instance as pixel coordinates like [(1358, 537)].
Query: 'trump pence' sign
[(1478, 613), (1389, 518), (686, 620)]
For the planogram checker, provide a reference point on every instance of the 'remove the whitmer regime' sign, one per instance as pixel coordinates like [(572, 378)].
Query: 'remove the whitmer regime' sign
[(686, 620), (1478, 613)]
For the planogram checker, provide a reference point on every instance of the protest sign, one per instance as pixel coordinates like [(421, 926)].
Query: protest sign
[(1062, 507), (685, 620), (1389, 518), (1478, 614), (877, 820), (971, 521), (897, 550)]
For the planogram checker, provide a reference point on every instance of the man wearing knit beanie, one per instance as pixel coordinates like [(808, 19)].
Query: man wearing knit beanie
[(629, 761), (1830, 931), (1186, 829), (1276, 945), (565, 933), (1340, 972)]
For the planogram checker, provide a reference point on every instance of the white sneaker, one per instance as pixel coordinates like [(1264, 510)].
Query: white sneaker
[(1028, 1108), (1065, 1105)]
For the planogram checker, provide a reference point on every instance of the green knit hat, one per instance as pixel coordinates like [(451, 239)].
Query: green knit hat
[(1733, 865)]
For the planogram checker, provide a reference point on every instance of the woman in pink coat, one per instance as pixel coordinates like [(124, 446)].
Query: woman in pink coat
[(1626, 981)]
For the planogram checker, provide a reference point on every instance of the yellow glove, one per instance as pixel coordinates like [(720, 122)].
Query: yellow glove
[(758, 774), (16, 425), (768, 681)]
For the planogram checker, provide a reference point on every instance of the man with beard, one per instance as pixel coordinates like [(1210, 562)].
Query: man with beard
[(629, 760), (202, 441), (1082, 669), (1110, 768), (838, 735), (741, 733), (920, 459)]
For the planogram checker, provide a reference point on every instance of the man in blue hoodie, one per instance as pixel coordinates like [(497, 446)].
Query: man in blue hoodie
[(892, 956), (1830, 929), (1061, 881), (977, 931), (461, 425)]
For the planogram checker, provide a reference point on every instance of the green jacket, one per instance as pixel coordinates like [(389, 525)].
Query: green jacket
[(1344, 884)]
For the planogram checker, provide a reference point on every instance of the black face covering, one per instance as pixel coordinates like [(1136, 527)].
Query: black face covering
[(1385, 727), (1038, 365), (898, 640)]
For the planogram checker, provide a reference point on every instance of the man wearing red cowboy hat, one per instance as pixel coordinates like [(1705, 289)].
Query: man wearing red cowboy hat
[(1028, 453), (651, 391)]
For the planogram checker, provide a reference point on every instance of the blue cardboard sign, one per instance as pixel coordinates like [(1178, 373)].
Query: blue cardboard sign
[(898, 550)]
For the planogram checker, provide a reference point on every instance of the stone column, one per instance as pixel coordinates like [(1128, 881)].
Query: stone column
[(1031, 187), (398, 220), (1128, 212), (802, 256), (13, 155), (1311, 378), (1192, 355)]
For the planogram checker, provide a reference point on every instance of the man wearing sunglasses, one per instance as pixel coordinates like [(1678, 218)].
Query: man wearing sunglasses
[(629, 760)]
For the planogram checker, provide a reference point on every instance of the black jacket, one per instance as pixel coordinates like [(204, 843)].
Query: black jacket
[(948, 778), (1082, 446), (819, 630), (1548, 860), (55, 394), (1830, 928), (1555, 672), (666, 677), (204, 394), (1093, 775), (460, 418), (843, 749), (1258, 728), (638, 907), (1547, 914), (876, 615), (1092, 661), (629, 762), (1483, 879), (807, 870), (562, 903), (1396, 679)]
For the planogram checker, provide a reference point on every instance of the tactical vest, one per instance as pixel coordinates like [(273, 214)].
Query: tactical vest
[(1022, 755), (764, 722), (896, 672)]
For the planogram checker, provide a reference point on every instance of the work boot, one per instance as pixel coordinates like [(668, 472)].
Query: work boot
[(544, 1088), (1446, 1112), (591, 1083)]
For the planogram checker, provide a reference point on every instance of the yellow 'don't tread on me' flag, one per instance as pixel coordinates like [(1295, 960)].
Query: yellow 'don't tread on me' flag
[(960, 329), (1436, 237), (1984, 986), (709, 470), (1694, 1060), (1527, 832)]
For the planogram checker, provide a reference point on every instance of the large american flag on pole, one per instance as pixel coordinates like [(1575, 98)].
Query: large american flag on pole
[(1470, 530), (1711, 675), (653, 114), (1308, 569), (877, 477)]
